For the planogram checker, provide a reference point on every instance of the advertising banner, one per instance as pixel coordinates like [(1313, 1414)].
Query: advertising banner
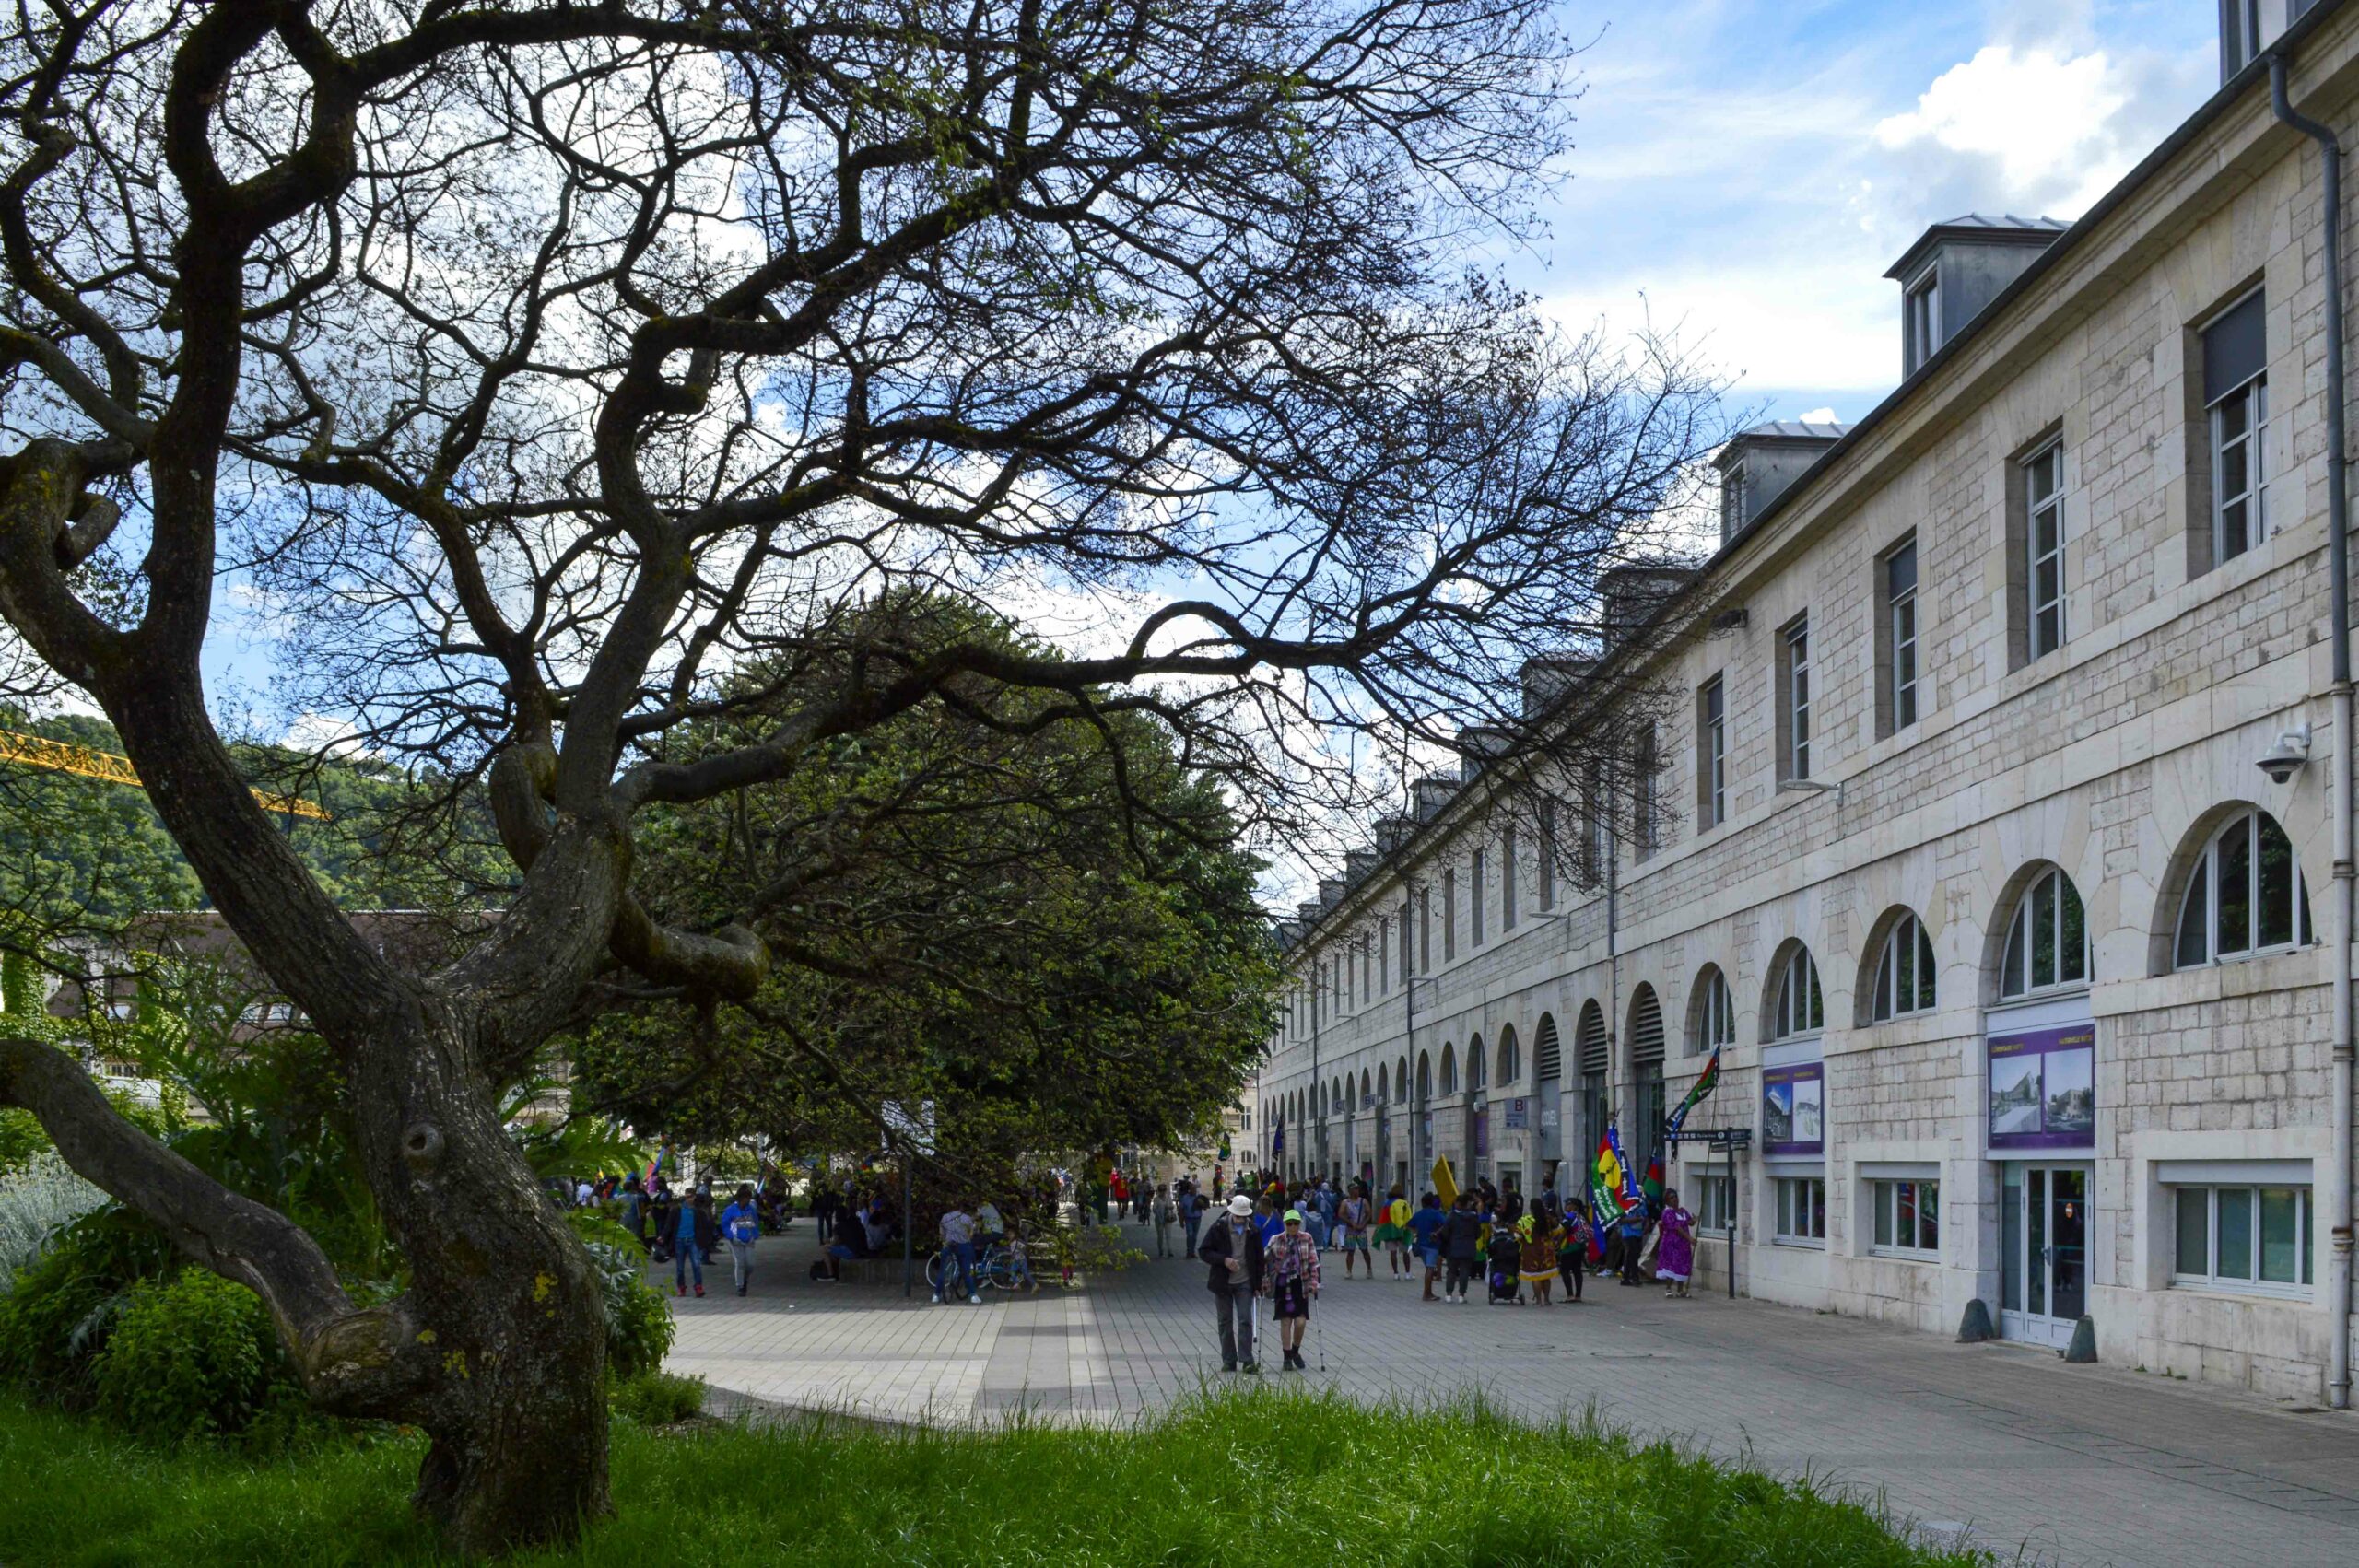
[(2043, 1088), (1793, 1109)]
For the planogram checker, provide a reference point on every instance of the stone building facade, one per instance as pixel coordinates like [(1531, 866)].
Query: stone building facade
[(1958, 850)]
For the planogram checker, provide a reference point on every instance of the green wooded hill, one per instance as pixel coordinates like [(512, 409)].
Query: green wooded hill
[(77, 851)]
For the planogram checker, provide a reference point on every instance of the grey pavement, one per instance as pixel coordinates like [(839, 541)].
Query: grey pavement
[(2069, 1465)]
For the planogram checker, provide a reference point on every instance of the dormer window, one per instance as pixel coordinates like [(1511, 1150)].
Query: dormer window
[(1922, 316), (1732, 501), (2239, 35)]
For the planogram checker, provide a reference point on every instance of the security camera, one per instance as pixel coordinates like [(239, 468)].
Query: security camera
[(2284, 759)]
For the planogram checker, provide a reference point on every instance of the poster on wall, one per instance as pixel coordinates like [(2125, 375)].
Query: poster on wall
[(2043, 1088), (1793, 1109)]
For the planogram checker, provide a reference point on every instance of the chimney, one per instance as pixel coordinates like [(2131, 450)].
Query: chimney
[(1757, 465), (1358, 864), (1634, 593), (1956, 268), (1330, 892), (1433, 792), (1478, 743), (1308, 911), (1392, 832), (1548, 678)]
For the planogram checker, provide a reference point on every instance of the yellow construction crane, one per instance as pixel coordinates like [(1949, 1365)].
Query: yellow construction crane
[(61, 756)]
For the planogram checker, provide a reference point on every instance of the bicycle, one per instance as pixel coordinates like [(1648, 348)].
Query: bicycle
[(994, 1270)]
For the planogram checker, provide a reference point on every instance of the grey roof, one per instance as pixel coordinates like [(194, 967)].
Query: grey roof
[(1976, 226), (1793, 431)]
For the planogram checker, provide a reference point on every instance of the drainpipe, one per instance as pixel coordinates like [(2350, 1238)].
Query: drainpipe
[(2337, 1193)]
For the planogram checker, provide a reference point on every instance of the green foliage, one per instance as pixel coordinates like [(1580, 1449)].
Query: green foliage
[(190, 1356), (21, 1137), (1427, 1485), (1091, 1249), (639, 1323), (656, 1398)]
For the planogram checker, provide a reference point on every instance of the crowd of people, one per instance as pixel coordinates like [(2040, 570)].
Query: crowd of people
[(1266, 1242)]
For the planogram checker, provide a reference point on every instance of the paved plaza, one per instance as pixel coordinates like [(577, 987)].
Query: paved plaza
[(2070, 1465)]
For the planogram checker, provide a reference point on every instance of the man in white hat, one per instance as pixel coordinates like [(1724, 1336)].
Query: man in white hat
[(1232, 1247)]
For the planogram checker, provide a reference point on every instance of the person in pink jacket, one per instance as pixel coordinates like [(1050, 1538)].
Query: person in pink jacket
[(1290, 1277)]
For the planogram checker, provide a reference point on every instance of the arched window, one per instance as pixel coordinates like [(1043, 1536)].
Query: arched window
[(1384, 1083), (1714, 1025), (1547, 1052), (1646, 1065), (2047, 938), (2244, 896), (1449, 1071), (1425, 1077), (1364, 1098), (1478, 1076), (1800, 1007), (1903, 974), (1401, 1082), (1509, 1065), (1591, 1053)]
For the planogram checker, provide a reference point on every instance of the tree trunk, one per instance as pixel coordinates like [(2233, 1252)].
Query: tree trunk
[(504, 1294)]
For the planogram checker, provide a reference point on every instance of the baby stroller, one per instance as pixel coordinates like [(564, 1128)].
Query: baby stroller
[(1506, 1263)]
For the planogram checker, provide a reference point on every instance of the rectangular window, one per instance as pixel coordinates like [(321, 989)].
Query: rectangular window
[(1794, 661), (1801, 1208), (1597, 834), (1384, 955), (2240, 33), (2255, 1238), (1425, 930), (1907, 1215), (1548, 853), (2044, 584), (1474, 899), (1711, 754), (1405, 952), (1922, 310), (1715, 1203), (1644, 780), (1507, 879), (2235, 399), (1449, 913), (1732, 501), (1900, 634)]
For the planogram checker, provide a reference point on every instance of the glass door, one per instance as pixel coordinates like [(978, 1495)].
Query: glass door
[(2044, 1252)]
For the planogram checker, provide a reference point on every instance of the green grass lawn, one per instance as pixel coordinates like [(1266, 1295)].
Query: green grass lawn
[(1265, 1477)]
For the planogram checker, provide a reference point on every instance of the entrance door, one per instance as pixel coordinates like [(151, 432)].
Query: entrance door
[(2044, 1257)]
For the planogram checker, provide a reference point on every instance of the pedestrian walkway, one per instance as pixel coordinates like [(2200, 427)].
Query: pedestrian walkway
[(2072, 1465)]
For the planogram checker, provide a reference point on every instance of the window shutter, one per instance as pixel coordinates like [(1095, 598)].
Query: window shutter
[(1547, 1055), (1591, 1040), (2233, 348), (1646, 1031)]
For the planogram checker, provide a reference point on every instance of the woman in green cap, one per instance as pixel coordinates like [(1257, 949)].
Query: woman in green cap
[(1290, 1274)]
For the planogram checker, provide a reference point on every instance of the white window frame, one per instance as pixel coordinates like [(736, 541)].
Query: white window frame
[(1716, 1026), (2043, 509), (1715, 1203), (1908, 944), (1921, 308), (2208, 1277), (1900, 611), (1800, 1008), (2019, 930), (2251, 400), (1888, 1235), (1714, 756), (1799, 1211), (1796, 641), (2203, 885)]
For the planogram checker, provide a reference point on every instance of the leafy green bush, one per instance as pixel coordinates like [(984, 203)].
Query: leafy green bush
[(656, 1398), (192, 1356), (638, 1322)]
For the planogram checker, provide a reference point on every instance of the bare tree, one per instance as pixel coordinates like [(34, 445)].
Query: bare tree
[(541, 364)]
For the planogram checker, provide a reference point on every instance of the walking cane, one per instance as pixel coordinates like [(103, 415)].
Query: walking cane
[(1319, 1332)]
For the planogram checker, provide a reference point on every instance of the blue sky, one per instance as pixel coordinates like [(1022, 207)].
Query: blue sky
[(1747, 170)]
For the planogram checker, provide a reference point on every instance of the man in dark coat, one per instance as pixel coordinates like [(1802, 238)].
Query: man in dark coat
[(1232, 1247), (1459, 1239)]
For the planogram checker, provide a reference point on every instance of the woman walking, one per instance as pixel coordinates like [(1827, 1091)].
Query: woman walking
[(1164, 1213), (1290, 1275), (1676, 1251), (1572, 1249)]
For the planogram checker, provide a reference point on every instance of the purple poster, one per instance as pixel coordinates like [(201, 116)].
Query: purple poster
[(1793, 1109), (2043, 1088)]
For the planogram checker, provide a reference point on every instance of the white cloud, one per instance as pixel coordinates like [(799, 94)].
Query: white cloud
[(1817, 416)]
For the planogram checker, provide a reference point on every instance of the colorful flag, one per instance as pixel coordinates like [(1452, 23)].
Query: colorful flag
[(1705, 1085), (1278, 1144), (1631, 1196), (655, 1164)]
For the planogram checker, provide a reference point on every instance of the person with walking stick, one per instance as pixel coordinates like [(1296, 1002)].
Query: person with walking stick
[(1232, 1247)]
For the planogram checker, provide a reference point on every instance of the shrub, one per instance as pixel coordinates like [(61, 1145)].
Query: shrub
[(639, 1323), (190, 1356), (36, 1198), (656, 1398)]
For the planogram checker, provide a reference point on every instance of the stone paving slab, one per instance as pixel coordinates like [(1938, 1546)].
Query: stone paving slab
[(2073, 1465)]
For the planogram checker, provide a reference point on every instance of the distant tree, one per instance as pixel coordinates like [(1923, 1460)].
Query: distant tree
[(543, 362)]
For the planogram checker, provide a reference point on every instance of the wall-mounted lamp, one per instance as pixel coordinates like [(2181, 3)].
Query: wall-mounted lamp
[(2284, 759), (1813, 787)]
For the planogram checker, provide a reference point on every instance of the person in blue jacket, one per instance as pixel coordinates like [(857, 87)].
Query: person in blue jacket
[(741, 1226), (1425, 1226), (685, 1259)]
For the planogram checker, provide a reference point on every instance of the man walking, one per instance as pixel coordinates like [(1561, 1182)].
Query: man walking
[(1192, 1215), (741, 1226), (1460, 1239), (1232, 1248), (1359, 1218)]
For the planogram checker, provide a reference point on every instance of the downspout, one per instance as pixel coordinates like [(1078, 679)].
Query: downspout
[(2338, 925)]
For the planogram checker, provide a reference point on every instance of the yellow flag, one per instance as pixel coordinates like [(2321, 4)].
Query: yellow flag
[(1443, 1184)]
